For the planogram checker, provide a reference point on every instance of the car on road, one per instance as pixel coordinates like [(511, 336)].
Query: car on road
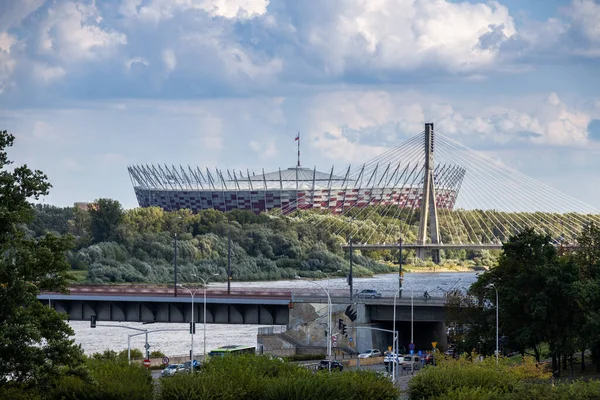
[(370, 353), (429, 359), (391, 358), (335, 365), (369, 294), (411, 362), (170, 370), (188, 364)]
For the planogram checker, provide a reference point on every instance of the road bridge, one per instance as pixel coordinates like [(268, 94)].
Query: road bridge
[(303, 312)]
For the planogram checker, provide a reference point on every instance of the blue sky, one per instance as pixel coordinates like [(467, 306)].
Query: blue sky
[(91, 87)]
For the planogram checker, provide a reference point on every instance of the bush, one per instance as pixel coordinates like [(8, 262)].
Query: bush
[(111, 380), (259, 377), (155, 354), (458, 377), (18, 393)]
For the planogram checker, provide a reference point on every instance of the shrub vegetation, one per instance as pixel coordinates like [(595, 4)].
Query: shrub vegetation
[(264, 378)]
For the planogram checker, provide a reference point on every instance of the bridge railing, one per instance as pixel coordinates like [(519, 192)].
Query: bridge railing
[(163, 291), (293, 294)]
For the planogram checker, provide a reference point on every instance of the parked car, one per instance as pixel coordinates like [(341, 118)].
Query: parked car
[(187, 366), (170, 370), (335, 365), (369, 294), (370, 353), (409, 361), (391, 358), (429, 359)]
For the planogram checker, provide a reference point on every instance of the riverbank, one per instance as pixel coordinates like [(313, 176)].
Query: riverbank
[(441, 268)]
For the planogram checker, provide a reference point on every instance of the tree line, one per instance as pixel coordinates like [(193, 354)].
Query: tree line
[(548, 301), (139, 245)]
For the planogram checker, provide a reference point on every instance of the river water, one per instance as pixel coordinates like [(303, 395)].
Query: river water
[(178, 343)]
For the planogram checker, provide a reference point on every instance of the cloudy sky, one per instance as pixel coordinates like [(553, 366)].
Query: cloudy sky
[(89, 87)]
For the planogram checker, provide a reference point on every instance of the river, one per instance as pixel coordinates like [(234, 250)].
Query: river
[(178, 343)]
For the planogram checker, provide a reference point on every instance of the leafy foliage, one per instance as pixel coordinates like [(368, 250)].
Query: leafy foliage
[(265, 378), (544, 298), (35, 348), (139, 245), (455, 378), (109, 380)]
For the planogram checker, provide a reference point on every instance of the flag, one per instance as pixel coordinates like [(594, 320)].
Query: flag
[(297, 136)]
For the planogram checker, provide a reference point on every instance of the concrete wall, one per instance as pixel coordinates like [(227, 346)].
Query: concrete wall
[(274, 344), (308, 323)]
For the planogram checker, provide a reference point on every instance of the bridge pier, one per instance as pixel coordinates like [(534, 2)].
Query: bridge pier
[(428, 201)]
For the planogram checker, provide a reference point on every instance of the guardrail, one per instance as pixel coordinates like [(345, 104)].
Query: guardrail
[(164, 292)]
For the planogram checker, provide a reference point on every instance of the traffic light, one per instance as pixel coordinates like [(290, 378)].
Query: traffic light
[(344, 329), (93, 321), (192, 328), (340, 323)]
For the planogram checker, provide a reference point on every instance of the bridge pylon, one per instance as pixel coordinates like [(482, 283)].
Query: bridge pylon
[(428, 200)]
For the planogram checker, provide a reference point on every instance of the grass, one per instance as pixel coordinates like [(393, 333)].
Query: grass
[(79, 276)]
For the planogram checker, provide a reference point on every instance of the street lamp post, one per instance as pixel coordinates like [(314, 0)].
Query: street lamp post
[(205, 282), (192, 323), (329, 334), (497, 347), (412, 319), (146, 332), (394, 362), (175, 266), (328, 274)]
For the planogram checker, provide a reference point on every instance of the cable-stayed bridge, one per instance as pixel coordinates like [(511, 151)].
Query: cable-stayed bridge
[(431, 192)]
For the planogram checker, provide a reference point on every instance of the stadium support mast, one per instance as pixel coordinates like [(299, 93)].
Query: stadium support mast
[(428, 206)]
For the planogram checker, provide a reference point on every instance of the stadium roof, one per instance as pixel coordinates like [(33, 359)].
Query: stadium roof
[(296, 173)]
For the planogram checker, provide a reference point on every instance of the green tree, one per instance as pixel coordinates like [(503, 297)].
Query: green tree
[(536, 291), (588, 287), (106, 215), (34, 340)]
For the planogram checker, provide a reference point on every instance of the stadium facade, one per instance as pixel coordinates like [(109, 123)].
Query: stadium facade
[(178, 187)]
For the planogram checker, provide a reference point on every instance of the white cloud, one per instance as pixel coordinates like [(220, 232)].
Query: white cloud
[(398, 34), (41, 130), (264, 150), (169, 59), (585, 15), (72, 32), (114, 158), (47, 73), (211, 132), (7, 62), (6, 42), (136, 60), (156, 10), (358, 125)]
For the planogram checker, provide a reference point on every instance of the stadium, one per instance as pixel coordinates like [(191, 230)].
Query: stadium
[(391, 184)]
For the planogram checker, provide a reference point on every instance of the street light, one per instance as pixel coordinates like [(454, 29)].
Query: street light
[(497, 347), (394, 369), (205, 282), (329, 334), (192, 323), (328, 274)]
